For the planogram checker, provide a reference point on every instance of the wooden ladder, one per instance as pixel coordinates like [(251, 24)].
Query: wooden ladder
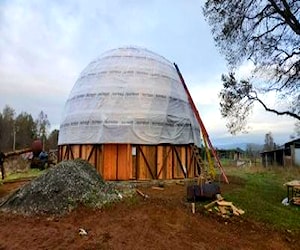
[(199, 163)]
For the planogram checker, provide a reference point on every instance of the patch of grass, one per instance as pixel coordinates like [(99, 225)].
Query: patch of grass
[(131, 200), (31, 173), (227, 162), (262, 193)]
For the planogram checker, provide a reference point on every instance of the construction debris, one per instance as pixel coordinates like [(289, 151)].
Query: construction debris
[(157, 188), (82, 232), (193, 208), (296, 201), (145, 196), (211, 204), (224, 208)]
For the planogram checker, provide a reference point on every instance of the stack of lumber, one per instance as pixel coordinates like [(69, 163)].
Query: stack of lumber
[(296, 201), (296, 198), (223, 208)]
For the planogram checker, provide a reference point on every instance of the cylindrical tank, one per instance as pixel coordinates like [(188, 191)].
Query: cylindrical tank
[(37, 147)]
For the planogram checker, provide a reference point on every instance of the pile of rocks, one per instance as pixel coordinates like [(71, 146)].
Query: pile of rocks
[(61, 189)]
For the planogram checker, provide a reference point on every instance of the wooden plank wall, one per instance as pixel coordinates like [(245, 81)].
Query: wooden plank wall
[(110, 162), (135, 162), (169, 163), (146, 162), (124, 162), (190, 164), (161, 162)]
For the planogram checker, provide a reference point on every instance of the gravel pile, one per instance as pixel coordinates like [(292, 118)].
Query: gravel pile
[(61, 189)]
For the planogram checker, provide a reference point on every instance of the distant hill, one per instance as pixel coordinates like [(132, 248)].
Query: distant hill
[(254, 146)]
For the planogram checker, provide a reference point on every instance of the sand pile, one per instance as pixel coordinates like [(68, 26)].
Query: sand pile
[(61, 189)]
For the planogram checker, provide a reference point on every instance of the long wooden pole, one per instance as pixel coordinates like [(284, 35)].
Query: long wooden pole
[(201, 124), (18, 152)]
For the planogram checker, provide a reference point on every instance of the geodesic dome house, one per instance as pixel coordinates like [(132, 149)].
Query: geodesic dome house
[(128, 114)]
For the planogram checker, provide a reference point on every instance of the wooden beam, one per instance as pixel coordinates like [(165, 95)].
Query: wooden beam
[(180, 163), (147, 164)]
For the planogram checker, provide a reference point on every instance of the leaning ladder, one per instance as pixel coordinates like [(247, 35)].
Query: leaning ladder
[(202, 171), (201, 124)]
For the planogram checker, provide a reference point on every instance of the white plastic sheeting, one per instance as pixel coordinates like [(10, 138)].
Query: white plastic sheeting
[(128, 95)]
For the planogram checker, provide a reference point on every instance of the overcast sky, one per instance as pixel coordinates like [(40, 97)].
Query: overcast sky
[(44, 45)]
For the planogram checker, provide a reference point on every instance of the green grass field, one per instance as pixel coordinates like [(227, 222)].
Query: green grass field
[(31, 173), (261, 193)]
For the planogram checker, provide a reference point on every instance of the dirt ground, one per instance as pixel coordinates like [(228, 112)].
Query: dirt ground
[(163, 221)]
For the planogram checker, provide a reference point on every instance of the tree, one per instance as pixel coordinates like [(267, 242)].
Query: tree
[(267, 33), (269, 142), (19, 132), (25, 129), (42, 125), (53, 139), (7, 128)]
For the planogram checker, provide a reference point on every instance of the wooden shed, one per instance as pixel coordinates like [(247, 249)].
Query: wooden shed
[(129, 115), (287, 155)]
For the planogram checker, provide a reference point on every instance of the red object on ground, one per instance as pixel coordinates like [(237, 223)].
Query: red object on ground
[(37, 147)]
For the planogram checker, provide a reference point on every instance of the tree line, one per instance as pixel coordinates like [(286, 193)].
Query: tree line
[(19, 131)]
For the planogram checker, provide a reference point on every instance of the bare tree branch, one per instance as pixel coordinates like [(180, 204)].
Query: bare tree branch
[(287, 15), (266, 32), (273, 110)]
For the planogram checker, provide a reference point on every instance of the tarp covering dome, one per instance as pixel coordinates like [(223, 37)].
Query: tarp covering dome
[(129, 95)]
